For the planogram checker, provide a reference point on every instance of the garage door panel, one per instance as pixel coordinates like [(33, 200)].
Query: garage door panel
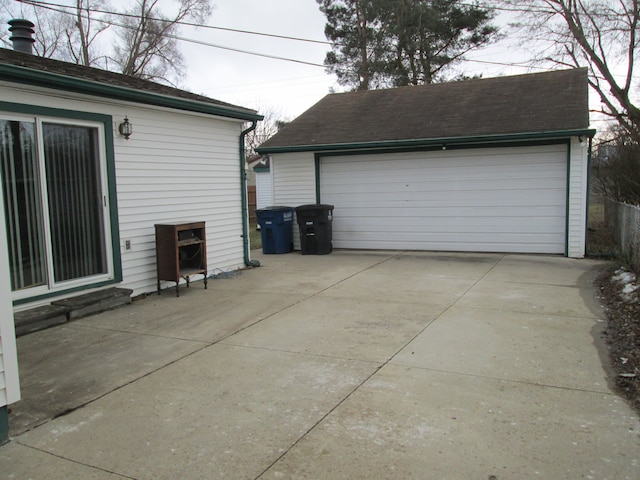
[(500, 200), (453, 234), (465, 199), (434, 187), (474, 238), (455, 159), (444, 241), (400, 181), (390, 215), (402, 173), (517, 245), (451, 224)]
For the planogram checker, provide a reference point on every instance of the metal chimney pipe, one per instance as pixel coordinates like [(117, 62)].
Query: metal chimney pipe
[(22, 35)]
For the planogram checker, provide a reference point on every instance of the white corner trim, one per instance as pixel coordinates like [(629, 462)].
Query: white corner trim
[(8, 350)]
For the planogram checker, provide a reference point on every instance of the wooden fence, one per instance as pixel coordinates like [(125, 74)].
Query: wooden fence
[(251, 197)]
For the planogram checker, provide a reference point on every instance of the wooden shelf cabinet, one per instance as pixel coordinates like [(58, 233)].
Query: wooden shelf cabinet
[(181, 252)]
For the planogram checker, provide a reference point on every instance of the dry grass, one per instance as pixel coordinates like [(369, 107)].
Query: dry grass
[(254, 236)]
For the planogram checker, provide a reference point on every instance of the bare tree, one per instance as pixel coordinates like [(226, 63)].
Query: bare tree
[(82, 34), (267, 128), (148, 46), (616, 167), (599, 34)]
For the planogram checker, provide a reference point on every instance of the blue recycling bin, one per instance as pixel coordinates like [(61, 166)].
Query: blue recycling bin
[(276, 229)]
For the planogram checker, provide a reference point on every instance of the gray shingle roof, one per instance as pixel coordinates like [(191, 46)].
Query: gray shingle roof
[(95, 76), (541, 102)]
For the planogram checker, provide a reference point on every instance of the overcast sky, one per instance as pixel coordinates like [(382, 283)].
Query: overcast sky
[(285, 88)]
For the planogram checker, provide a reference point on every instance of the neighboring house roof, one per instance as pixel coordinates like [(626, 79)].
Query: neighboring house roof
[(262, 164), (30, 69), (534, 104)]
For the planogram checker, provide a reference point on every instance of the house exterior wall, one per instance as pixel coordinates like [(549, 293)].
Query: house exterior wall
[(294, 182), (177, 166), (181, 168)]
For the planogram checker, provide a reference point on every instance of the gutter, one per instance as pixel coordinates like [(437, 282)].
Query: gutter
[(444, 142), (243, 191)]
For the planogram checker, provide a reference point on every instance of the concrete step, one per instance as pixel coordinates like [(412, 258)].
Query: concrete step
[(95, 302), (62, 311), (39, 318)]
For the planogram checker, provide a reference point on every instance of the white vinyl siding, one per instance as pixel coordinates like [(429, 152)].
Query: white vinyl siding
[(9, 381), (578, 197), (177, 166), (294, 183), (185, 169), (493, 200)]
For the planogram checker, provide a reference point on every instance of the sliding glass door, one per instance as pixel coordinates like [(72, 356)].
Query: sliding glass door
[(74, 201), (22, 204), (55, 203)]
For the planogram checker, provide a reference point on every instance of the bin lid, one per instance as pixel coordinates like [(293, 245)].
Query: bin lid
[(275, 209), (315, 206)]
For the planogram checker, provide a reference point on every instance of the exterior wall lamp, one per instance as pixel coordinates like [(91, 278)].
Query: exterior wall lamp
[(125, 128)]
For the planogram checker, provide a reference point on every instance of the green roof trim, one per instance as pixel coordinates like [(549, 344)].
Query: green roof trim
[(427, 142), (58, 81)]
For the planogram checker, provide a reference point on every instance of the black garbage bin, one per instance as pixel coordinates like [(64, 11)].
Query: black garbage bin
[(276, 229), (314, 222)]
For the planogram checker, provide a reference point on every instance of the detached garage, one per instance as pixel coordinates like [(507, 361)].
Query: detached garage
[(491, 165)]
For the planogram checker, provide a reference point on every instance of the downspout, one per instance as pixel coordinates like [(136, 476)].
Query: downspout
[(243, 191)]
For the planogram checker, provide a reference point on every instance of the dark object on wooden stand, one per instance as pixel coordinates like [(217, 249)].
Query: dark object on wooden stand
[(181, 251)]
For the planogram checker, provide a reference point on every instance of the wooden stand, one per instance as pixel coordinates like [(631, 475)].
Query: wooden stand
[(181, 251)]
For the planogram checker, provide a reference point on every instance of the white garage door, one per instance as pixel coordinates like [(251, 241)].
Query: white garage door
[(488, 200)]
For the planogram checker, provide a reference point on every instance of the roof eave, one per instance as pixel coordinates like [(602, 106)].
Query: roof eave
[(57, 81), (429, 142)]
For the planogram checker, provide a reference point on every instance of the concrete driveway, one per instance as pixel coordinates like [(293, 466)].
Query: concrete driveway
[(367, 365)]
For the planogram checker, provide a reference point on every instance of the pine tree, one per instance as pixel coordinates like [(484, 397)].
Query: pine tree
[(382, 43)]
